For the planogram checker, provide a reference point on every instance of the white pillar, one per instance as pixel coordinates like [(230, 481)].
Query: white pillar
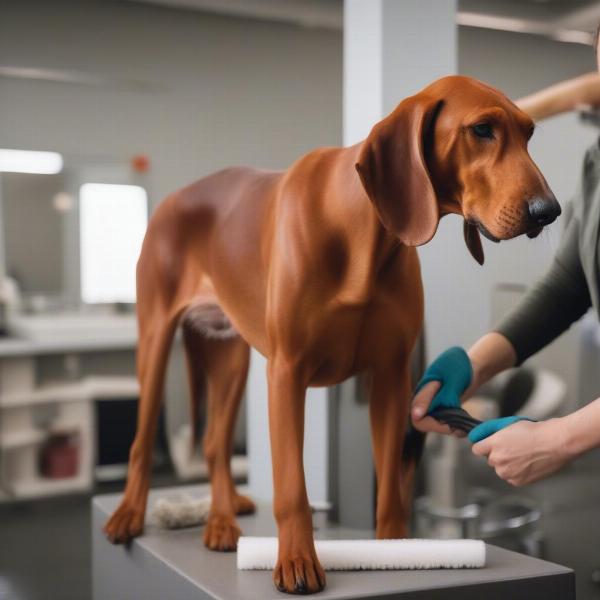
[(392, 49), (316, 424)]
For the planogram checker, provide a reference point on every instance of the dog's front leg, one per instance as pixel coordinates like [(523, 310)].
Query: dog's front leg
[(389, 400), (298, 570)]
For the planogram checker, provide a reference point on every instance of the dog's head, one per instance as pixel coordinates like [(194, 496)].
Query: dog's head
[(459, 146)]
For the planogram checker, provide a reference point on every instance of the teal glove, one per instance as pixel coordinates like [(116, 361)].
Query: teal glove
[(453, 369), (492, 426)]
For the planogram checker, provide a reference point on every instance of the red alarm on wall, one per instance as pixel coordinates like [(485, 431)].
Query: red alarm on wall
[(140, 163)]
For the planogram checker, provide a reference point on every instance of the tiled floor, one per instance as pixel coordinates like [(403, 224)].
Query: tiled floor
[(45, 546)]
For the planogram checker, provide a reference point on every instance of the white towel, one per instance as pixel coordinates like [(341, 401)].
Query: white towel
[(180, 511)]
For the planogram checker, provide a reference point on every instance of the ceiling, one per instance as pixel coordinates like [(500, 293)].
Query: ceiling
[(542, 9), (564, 20), (316, 13)]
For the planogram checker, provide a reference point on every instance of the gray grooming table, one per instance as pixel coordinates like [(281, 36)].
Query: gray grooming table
[(164, 565)]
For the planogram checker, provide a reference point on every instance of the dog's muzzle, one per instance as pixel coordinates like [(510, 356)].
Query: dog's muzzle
[(486, 233)]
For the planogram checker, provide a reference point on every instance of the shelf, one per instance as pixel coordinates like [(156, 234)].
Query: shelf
[(31, 435), (106, 387), (33, 488), (65, 333), (90, 388), (13, 347), (68, 392), (26, 437)]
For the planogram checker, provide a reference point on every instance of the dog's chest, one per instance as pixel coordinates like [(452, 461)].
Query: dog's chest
[(358, 339)]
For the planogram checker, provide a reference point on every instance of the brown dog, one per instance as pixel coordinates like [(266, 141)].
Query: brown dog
[(316, 268)]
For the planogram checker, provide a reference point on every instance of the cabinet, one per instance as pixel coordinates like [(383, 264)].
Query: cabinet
[(48, 391)]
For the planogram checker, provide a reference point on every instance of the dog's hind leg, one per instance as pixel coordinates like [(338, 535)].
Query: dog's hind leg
[(153, 350), (216, 351), (161, 298)]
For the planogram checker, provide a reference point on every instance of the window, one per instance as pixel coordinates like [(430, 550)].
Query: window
[(113, 220), (30, 161)]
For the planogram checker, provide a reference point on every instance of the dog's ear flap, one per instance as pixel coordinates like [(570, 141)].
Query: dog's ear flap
[(393, 171), (473, 241)]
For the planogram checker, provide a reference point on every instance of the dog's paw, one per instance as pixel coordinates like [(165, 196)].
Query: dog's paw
[(125, 523), (221, 534), (243, 505), (299, 575)]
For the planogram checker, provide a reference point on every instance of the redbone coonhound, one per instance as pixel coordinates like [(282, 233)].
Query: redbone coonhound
[(316, 268)]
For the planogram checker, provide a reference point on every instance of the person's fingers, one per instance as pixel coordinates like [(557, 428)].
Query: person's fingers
[(482, 448), (423, 398), (431, 425)]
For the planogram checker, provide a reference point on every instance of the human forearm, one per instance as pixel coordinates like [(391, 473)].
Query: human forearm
[(489, 355), (562, 97), (582, 429)]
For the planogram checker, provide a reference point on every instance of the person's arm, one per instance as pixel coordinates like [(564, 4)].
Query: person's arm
[(490, 355), (559, 299), (562, 97), (549, 308), (582, 429)]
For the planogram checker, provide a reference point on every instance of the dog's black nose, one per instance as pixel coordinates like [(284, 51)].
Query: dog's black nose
[(543, 211)]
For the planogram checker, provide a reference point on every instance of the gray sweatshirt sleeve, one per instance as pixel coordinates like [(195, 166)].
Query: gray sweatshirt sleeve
[(549, 308)]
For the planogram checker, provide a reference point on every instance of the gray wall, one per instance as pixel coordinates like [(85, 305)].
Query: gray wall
[(228, 91)]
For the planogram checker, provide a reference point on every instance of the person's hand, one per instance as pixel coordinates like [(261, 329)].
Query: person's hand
[(420, 408), (442, 385), (526, 451)]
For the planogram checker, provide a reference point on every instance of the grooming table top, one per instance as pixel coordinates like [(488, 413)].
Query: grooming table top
[(175, 564)]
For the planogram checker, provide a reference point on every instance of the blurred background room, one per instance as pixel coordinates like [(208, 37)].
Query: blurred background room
[(106, 107)]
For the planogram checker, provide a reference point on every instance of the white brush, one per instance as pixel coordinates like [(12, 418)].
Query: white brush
[(351, 555)]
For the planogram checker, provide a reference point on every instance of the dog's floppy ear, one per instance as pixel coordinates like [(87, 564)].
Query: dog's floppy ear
[(473, 242), (393, 171)]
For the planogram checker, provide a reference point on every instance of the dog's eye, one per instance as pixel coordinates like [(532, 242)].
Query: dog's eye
[(483, 130)]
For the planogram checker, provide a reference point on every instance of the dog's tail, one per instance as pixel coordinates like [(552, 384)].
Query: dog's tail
[(414, 440), (414, 443)]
